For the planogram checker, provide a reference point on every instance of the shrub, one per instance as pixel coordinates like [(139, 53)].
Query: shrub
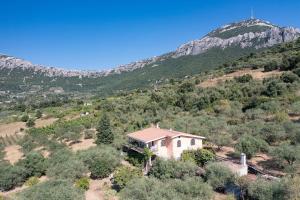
[(289, 77), (101, 160), (250, 145), (24, 118), (50, 190), (164, 169), (88, 134), (11, 176), (199, 156), (63, 164), (125, 174), (38, 114), (270, 66), (83, 183), (243, 79), (265, 190), (218, 176), (34, 163), (151, 188), (32, 181), (30, 122), (70, 169)]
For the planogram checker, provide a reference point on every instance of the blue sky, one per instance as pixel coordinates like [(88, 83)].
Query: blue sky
[(101, 34)]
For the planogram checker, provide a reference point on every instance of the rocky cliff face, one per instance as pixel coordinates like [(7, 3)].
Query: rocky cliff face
[(253, 33), (250, 33)]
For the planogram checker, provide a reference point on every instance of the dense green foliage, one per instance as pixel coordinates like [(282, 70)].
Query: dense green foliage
[(124, 174), (104, 133), (199, 156), (151, 188), (50, 190), (166, 169)]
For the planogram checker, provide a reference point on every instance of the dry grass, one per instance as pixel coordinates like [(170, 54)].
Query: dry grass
[(42, 122), (257, 74)]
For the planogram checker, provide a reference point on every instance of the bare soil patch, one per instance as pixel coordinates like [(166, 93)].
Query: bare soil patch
[(13, 153), (14, 128), (82, 144), (100, 190), (11, 128), (256, 74), (42, 122)]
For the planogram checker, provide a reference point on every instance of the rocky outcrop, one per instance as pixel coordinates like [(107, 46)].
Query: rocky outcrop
[(253, 33)]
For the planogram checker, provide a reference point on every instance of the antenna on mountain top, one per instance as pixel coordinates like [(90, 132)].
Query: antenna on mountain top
[(252, 13)]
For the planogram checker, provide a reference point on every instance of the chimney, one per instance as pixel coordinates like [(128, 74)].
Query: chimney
[(243, 159), (171, 129), (157, 125)]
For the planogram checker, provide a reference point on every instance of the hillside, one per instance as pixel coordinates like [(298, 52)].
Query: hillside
[(253, 108), (216, 48)]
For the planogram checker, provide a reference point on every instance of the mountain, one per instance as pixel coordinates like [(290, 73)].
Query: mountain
[(214, 49)]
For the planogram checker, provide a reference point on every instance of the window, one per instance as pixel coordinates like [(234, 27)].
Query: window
[(178, 143), (163, 143), (192, 142)]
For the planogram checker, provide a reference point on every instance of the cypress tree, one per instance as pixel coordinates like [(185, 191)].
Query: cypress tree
[(104, 133)]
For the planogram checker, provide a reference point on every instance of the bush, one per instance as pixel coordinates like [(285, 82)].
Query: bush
[(243, 79), (38, 114), (32, 181), (70, 169), (265, 190), (218, 176), (11, 176), (88, 134), (30, 122), (52, 190), (34, 163), (270, 66), (151, 188), (289, 77), (250, 145), (24, 118), (63, 164), (83, 183), (165, 169), (200, 156), (125, 174), (101, 160)]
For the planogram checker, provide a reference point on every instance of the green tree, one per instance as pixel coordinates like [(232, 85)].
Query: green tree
[(124, 174), (104, 132), (250, 145), (218, 176), (34, 163), (287, 153)]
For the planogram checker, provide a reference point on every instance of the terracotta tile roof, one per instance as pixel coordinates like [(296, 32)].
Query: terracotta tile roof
[(152, 134)]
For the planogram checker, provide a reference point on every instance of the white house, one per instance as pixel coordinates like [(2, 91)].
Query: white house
[(165, 143)]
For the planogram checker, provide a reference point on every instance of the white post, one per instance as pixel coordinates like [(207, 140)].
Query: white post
[(243, 159), (157, 125)]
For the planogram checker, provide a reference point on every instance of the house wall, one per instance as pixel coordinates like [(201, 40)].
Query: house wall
[(185, 145), (162, 151)]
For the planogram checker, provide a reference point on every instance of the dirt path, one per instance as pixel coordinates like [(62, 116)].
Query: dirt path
[(100, 190), (13, 153), (256, 74)]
